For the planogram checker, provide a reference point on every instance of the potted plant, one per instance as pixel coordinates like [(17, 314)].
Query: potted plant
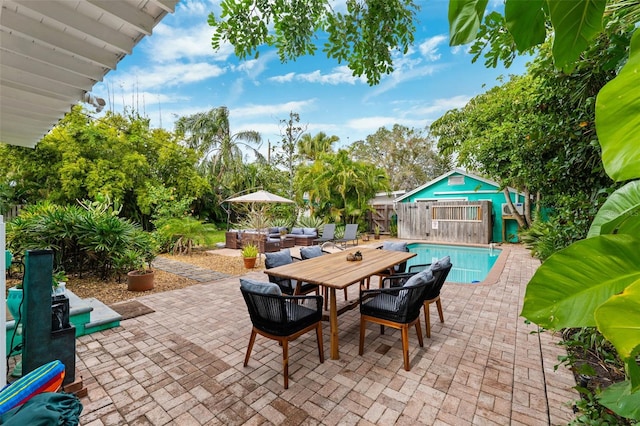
[(58, 283), (376, 232), (137, 261), (249, 254)]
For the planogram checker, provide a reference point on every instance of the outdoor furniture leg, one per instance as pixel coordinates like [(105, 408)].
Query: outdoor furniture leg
[(333, 323)]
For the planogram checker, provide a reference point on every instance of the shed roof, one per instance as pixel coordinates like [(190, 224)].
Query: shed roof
[(445, 176)]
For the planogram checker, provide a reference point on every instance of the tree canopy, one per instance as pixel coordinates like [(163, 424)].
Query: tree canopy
[(408, 155)]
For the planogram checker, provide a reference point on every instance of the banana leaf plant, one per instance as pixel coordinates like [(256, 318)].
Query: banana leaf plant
[(596, 281)]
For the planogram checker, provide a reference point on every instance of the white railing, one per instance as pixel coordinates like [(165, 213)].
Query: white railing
[(471, 213)]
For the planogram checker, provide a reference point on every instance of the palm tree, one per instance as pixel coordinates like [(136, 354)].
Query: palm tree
[(220, 151), (310, 147)]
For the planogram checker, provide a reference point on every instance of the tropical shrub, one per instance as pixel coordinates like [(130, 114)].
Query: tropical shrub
[(90, 238)]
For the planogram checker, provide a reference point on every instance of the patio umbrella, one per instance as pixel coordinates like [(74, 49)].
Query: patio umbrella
[(259, 197)]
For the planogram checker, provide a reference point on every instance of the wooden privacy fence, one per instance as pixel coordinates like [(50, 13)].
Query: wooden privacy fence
[(456, 222)]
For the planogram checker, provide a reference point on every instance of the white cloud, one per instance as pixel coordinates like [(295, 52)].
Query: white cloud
[(254, 67), (193, 8), (271, 110), (339, 75), (429, 47), (163, 76), (189, 42), (442, 105)]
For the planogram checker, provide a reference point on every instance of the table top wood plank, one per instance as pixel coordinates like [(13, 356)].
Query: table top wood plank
[(334, 270)]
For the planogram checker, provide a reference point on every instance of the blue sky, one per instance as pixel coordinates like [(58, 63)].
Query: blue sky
[(175, 72)]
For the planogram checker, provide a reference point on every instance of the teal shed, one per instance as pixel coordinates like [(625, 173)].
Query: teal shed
[(460, 185)]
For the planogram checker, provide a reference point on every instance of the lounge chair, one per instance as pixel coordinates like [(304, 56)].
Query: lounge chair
[(328, 234), (350, 236)]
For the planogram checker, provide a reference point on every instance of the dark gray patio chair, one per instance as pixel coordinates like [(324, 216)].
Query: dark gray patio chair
[(287, 286), (315, 251), (396, 269), (281, 318), (397, 307), (440, 270)]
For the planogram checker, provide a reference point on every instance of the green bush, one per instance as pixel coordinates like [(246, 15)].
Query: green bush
[(90, 238)]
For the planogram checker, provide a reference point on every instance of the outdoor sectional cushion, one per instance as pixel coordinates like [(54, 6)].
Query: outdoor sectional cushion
[(260, 286), (309, 231), (297, 231)]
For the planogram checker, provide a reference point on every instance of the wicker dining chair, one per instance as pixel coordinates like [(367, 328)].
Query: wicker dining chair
[(397, 307), (280, 317)]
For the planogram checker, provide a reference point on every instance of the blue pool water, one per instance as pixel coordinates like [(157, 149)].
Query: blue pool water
[(470, 264)]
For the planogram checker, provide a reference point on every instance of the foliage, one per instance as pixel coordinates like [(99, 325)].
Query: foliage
[(286, 154), (408, 155), (257, 217), (250, 250), (220, 151), (596, 281), (310, 222), (89, 239), (566, 223), (339, 188), (116, 156), (366, 37), (181, 235), (310, 147)]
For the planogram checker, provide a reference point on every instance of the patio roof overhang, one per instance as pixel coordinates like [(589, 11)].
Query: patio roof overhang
[(52, 53)]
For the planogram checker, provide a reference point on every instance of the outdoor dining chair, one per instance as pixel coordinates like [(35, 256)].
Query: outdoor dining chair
[(397, 307), (280, 317), (396, 269), (350, 236), (328, 234), (440, 270), (315, 251), (287, 286)]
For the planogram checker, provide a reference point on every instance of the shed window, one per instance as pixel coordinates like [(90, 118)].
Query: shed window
[(456, 180)]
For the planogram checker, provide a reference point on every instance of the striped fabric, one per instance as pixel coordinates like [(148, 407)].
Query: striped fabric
[(46, 378)]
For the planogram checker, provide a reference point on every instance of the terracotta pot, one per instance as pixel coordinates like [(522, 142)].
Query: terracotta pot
[(376, 237), (249, 262), (137, 281)]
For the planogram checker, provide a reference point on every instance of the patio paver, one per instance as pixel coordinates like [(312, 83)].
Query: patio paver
[(182, 365)]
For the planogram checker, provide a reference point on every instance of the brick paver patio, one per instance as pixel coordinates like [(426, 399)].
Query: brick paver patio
[(182, 365)]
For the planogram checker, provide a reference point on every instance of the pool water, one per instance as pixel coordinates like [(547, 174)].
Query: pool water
[(470, 264)]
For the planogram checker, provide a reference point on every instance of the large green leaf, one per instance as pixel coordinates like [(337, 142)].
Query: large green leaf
[(575, 23), (525, 20), (618, 319), (569, 286), (465, 17), (618, 119), (619, 399), (620, 214)]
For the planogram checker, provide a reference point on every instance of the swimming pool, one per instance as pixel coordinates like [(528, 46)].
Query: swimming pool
[(470, 264)]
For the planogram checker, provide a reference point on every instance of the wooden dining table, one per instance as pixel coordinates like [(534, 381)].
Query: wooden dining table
[(335, 272)]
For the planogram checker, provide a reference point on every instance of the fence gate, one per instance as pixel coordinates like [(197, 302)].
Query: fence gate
[(456, 222), (381, 216)]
